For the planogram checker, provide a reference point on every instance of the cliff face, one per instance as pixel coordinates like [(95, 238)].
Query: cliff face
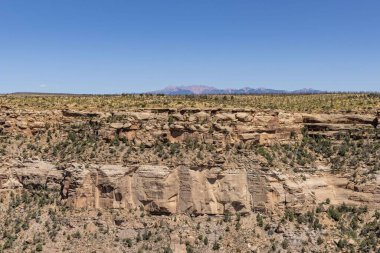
[(163, 190), (215, 126), (214, 187), (188, 180)]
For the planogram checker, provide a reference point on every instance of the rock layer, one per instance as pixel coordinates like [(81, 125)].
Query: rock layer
[(219, 126), (163, 190), (181, 188)]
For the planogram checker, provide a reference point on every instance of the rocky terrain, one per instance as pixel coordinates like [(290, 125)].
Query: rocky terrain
[(185, 179)]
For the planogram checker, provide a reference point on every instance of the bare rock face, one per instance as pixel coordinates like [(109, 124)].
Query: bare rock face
[(217, 192), (153, 187), (331, 125), (164, 190), (337, 189), (158, 189), (31, 175)]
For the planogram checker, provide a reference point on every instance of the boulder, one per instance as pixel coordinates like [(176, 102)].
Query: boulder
[(243, 116)]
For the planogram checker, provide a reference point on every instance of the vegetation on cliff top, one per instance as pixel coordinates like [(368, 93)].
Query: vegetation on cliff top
[(297, 103)]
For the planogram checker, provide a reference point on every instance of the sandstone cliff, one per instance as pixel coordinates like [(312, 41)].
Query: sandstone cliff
[(188, 180), (164, 190), (216, 186)]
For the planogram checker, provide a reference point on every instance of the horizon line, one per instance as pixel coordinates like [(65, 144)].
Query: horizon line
[(31, 93)]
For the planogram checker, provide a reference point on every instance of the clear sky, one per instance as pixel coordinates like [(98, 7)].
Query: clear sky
[(114, 46)]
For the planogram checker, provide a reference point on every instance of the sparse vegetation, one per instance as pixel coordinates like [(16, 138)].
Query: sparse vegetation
[(284, 166)]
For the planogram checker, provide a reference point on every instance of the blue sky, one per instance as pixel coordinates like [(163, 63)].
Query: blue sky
[(113, 46)]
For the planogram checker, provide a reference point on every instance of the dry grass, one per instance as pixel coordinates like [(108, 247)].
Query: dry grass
[(358, 102)]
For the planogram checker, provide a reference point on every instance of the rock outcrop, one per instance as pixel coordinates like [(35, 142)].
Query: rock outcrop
[(164, 190), (211, 188), (225, 126)]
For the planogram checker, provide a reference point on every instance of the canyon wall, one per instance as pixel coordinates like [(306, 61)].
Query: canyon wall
[(215, 126), (182, 188), (164, 190)]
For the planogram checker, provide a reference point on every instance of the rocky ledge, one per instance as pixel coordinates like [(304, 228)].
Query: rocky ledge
[(216, 126)]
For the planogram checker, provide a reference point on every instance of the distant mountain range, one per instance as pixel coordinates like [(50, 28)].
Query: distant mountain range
[(189, 90), (208, 90)]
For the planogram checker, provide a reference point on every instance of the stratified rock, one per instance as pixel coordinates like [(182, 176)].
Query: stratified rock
[(166, 190)]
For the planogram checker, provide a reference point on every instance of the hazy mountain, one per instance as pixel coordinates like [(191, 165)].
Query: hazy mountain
[(185, 90), (203, 90)]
